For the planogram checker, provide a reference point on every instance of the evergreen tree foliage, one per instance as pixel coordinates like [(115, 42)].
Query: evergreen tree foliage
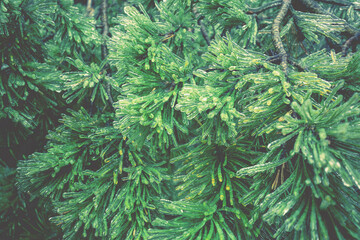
[(173, 119)]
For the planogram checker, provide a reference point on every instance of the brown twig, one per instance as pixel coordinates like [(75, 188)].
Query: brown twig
[(276, 34), (104, 50), (105, 30), (353, 41), (89, 9)]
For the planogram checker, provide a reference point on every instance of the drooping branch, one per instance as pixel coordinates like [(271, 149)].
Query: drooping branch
[(314, 7), (353, 41), (347, 30), (341, 3), (276, 34), (104, 50), (264, 8)]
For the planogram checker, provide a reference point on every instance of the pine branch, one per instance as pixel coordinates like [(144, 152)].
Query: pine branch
[(276, 34), (264, 8), (314, 7), (341, 3), (104, 50), (353, 41)]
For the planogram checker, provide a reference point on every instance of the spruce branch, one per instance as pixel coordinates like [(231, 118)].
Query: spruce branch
[(276, 34), (353, 41), (264, 8), (104, 50)]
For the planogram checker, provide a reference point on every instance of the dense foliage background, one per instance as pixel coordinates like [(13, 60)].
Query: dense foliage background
[(179, 119)]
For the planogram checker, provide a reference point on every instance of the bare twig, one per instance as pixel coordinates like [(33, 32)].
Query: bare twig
[(264, 8), (105, 25), (104, 50), (89, 9), (276, 34), (353, 41)]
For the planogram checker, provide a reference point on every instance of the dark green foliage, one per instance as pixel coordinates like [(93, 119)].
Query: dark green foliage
[(176, 119), (21, 216), (99, 160), (69, 152), (29, 101), (30, 92)]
